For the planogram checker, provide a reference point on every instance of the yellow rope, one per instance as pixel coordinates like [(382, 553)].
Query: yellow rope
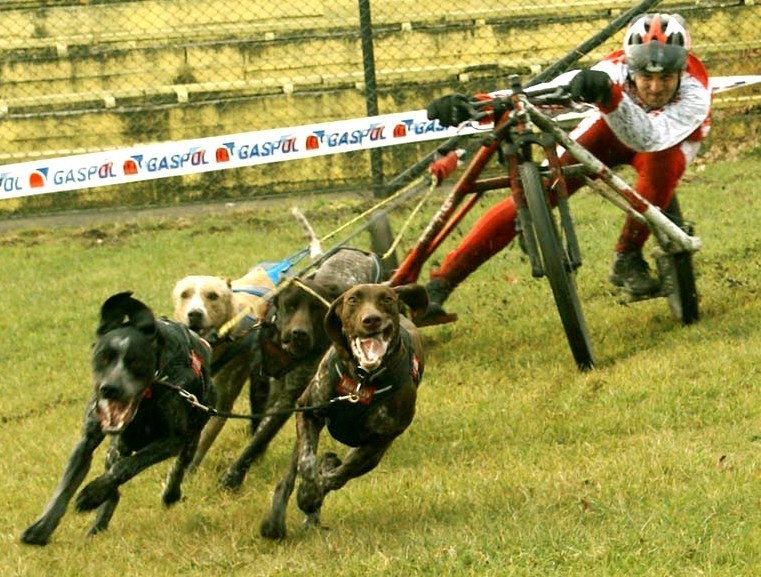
[(229, 325), (375, 207), (405, 225), (305, 288)]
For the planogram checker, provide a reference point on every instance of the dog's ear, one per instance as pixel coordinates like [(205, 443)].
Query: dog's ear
[(112, 312), (276, 362), (121, 305), (414, 296), (334, 326)]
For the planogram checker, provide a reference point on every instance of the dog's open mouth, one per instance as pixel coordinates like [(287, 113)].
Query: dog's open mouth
[(114, 415), (369, 351)]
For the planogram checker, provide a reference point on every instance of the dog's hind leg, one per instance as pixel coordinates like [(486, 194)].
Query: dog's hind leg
[(258, 394), (273, 525), (173, 487), (105, 512), (209, 434), (39, 532)]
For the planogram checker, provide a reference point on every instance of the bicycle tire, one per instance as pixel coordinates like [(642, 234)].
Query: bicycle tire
[(556, 266), (682, 294)]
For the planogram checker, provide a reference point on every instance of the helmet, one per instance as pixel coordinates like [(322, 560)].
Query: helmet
[(657, 43)]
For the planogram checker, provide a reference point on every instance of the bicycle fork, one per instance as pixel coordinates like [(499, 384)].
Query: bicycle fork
[(557, 194)]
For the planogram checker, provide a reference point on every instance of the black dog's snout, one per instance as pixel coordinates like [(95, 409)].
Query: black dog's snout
[(109, 390)]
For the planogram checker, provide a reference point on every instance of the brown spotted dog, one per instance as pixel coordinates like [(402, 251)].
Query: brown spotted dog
[(364, 390)]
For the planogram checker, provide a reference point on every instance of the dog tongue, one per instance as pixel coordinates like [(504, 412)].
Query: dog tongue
[(373, 349), (113, 415)]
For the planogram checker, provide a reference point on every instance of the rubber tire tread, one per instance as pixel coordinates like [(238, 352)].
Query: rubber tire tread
[(561, 279), (686, 308)]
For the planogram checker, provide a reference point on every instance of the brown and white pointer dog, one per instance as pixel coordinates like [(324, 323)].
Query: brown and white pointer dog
[(364, 390)]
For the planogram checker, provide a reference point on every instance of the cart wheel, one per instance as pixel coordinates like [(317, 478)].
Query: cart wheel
[(557, 266), (677, 274)]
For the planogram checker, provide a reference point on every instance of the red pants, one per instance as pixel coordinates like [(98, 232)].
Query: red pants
[(658, 175)]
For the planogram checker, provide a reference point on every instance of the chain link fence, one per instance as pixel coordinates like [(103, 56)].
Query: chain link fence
[(91, 75)]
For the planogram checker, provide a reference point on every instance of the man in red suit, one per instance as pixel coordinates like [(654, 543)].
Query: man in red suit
[(653, 106)]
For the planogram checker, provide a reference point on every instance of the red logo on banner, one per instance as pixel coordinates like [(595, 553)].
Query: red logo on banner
[(36, 180), (130, 167), (312, 142), (223, 154), (400, 131)]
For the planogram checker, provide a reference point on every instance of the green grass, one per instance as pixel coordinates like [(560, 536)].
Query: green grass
[(516, 464)]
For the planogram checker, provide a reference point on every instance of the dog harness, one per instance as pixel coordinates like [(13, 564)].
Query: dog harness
[(352, 398), (183, 359)]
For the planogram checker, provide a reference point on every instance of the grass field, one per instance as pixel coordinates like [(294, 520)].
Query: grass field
[(516, 464)]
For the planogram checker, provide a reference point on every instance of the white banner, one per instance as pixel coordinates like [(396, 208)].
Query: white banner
[(178, 158)]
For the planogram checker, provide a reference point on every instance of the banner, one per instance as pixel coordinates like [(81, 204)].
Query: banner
[(179, 158)]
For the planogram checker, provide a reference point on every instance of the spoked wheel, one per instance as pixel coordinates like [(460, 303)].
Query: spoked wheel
[(556, 266), (677, 274)]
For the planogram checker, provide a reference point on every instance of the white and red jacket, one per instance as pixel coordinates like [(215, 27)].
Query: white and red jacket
[(685, 118)]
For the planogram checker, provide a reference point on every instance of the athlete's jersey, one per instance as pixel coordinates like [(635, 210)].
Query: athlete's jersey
[(685, 117)]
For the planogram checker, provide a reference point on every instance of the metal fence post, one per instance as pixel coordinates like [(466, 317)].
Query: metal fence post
[(380, 228)]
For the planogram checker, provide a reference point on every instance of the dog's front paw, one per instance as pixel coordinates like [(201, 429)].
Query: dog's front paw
[(232, 479), (328, 462), (95, 493), (310, 496), (272, 528), (171, 495), (38, 533)]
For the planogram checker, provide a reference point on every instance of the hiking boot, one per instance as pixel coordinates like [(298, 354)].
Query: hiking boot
[(438, 291), (631, 272)]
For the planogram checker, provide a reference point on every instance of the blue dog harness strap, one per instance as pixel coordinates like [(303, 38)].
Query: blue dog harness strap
[(345, 417), (275, 272)]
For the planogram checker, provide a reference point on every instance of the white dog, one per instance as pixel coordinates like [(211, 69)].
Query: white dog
[(210, 305)]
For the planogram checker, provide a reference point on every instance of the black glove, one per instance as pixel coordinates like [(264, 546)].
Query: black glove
[(449, 110), (591, 86)]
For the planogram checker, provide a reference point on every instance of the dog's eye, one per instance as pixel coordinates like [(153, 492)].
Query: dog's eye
[(212, 296), (352, 300), (103, 358), (185, 295)]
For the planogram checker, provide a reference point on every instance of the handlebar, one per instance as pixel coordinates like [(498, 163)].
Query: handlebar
[(540, 96), (457, 108)]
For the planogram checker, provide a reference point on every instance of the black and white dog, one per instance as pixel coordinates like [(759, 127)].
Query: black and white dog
[(144, 370)]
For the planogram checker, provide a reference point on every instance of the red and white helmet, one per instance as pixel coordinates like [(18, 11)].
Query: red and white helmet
[(657, 43)]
